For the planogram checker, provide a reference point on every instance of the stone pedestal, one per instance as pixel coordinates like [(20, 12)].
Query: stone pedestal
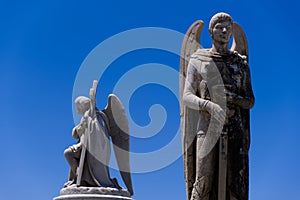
[(93, 193), (91, 197)]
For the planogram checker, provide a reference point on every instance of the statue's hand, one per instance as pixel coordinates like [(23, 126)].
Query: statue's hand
[(230, 96), (223, 94), (77, 146), (227, 97), (216, 111)]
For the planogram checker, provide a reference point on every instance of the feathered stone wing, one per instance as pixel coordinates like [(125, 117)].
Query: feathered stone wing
[(119, 132), (189, 117)]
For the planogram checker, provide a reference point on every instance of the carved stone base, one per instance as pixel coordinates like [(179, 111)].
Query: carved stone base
[(91, 197), (92, 193)]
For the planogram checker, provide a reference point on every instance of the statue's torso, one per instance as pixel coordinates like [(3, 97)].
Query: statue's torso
[(218, 72)]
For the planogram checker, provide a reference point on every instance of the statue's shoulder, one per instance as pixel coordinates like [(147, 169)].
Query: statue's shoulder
[(202, 55)]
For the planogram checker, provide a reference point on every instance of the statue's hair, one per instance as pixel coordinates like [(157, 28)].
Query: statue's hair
[(218, 18), (82, 103)]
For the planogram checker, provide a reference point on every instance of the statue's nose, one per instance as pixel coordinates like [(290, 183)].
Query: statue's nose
[(224, 30)]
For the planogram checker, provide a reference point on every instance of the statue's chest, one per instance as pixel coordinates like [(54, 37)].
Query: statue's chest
[(222, 73)]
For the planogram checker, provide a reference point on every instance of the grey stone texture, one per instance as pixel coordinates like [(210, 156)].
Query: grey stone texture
[(215, 98), (91, 197), (98, 132)]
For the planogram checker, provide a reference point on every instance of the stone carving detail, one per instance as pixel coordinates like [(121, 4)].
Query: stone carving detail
[(89, 158), (94, 190), (215, 98)]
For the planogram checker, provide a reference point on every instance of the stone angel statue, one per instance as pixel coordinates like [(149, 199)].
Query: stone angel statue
[(215, 98), (89, 158)]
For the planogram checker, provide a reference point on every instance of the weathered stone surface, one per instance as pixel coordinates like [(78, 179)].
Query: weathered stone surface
[(91, 197), (215, 97), (89, 158), (87, 193), (94, 190)]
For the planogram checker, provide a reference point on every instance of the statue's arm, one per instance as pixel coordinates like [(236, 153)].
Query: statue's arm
[(190, 99), (79, 130), (74, 133), (193, 79), (246, 98)]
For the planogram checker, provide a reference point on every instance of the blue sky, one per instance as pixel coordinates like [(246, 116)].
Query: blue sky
[(43, 44)]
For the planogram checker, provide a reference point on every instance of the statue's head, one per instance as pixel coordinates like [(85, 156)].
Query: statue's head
[(220, 27), (82, 104)]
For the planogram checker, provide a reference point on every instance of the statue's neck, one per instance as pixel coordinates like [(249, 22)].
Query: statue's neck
[(221, 48)]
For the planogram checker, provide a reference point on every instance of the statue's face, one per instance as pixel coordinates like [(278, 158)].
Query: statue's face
[(79, 109), (222, 32)]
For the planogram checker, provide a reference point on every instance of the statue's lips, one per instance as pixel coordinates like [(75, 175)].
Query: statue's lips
[(224, 37)]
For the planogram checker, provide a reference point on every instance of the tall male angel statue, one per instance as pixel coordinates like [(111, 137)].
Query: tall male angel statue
[(89, 158), (215, 98)]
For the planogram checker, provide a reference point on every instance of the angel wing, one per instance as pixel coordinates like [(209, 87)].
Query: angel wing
[(119, 132), (240, 45), (190, 45)]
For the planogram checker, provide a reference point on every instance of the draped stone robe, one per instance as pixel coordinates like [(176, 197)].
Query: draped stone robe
[(206, 74)]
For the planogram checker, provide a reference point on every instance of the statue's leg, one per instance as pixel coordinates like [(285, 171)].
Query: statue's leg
[(238, 170), (72, 155), (205, 172)]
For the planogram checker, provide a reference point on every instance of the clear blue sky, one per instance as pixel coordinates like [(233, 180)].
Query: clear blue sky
[(43, 44)]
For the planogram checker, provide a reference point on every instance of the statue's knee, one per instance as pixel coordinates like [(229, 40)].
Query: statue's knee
[(68, 153)]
